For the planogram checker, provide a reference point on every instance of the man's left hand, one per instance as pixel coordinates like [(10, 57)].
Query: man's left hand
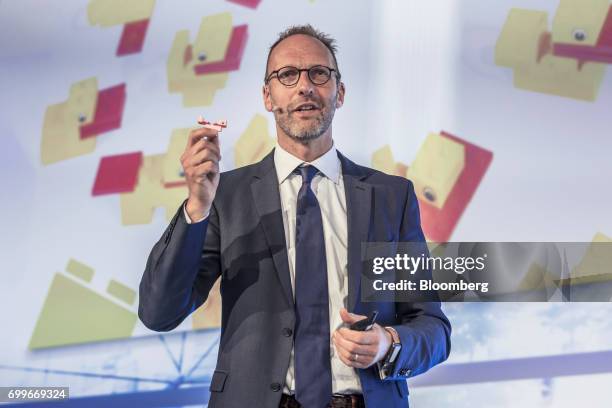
[(360, 349)]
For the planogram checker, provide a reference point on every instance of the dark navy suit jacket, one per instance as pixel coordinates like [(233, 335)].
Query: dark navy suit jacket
[(243, 241)]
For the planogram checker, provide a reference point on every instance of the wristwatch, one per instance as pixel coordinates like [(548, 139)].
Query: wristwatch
[(392, 354)]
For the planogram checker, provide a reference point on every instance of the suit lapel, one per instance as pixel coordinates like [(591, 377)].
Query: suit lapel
[(266, 195), (358, 206)]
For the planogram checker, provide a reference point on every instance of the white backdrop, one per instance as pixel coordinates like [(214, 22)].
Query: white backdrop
[(410, 68)]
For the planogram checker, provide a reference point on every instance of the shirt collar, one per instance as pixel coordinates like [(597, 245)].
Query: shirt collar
[(285, 163)]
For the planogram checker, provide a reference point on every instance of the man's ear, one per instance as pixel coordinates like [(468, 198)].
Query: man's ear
[(340, 95), (266, 98)]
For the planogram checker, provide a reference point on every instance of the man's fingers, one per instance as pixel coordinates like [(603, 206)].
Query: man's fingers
[(350, 318), (359, 337), (204, 144), (348, 359), (197, 134), (203, 156), (365, 355), (205, 169), (345, 361), (354, 348)]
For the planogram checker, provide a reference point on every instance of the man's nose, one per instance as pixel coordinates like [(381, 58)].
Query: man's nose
[(305, 85)]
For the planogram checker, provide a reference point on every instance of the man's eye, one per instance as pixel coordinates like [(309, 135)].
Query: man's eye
[(319, 72), (287, 74)]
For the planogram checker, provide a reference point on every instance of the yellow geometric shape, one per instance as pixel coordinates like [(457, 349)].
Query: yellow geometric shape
[(82, 100), (80, 270), (61, 138), (436, 168), (114, 12), (213, 38), (560, 76), (138, 206), (585, 16), (382, 160), (537, 278), (526, 46), (211, 44), (119, 291), (73, 313), (518, 43), (596, 265), (600, 237), (203, 89), (173, 170), (176, 65), (254, 143), (209, 314)]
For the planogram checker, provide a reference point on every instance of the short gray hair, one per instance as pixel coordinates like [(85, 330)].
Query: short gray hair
[(308, 30)]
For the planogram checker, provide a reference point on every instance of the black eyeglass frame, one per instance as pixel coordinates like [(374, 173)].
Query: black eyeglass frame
[(300, 70)]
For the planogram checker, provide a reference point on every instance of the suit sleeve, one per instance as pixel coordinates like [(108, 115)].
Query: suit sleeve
[(423, 328), (180, 271)]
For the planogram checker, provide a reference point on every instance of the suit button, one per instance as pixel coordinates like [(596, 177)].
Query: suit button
[(275, 387), (287, 332), (404, 371)]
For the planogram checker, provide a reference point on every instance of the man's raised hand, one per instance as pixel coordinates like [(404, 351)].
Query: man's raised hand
[(200, 162)]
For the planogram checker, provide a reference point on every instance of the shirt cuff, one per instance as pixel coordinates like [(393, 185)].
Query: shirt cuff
[(188, 219)]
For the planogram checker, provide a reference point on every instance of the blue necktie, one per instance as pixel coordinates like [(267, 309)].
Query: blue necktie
[(313, 380)]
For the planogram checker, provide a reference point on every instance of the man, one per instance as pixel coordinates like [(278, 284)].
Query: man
[(285, 236)]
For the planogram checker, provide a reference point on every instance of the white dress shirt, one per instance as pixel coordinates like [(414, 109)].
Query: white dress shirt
[(328, 187)]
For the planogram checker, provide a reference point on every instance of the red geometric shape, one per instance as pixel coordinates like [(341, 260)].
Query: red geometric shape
[(601, 52), (584, 53), (233, 54), (439, 223), (605, 36), (109, 111), (175, 184), (544, 45), (117, 174), (247, 3), (132, 37), (187, 55)]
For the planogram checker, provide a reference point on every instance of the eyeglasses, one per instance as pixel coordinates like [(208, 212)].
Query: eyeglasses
[(289, 76)]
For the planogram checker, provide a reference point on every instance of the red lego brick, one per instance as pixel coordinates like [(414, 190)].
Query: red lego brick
[(247, 3), (233, 54), (214, 127), (132, 37), (218, 125), (439, 223), (109, 111), (117, 174)]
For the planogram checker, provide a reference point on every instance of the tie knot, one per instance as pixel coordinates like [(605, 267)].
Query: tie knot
[(307, 173)]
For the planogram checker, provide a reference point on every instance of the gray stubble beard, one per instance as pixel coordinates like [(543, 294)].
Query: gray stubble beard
[(305, 136)]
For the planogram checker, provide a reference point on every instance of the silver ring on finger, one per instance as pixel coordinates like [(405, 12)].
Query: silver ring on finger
[(356, 357)]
